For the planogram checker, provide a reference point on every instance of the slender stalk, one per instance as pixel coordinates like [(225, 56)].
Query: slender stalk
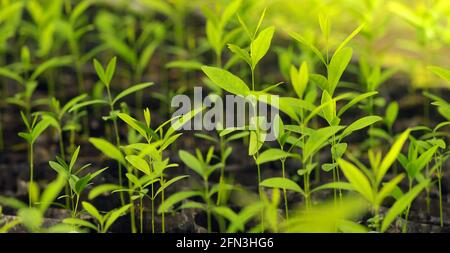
[(63, 156), (116, 133), (162, 215), (153, 210), (222, 171), (74, 213), (30, 201), (132, 210), (141, 215), (208, 205), (286, 208), (405, 226), (439, 176)]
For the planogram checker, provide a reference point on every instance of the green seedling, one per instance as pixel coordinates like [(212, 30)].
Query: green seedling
[(34, 130), (76, 181), (202, 166), (106, 76), (26, 75), (33, 217), (369, 182), (103, 222), (420, 155)]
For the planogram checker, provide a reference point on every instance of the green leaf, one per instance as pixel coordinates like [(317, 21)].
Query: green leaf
[(388, 188), (282, 183), (32, 218), (391, 156), (334, 185), (391, 114), (349, 38), (261, 45), (300, 78), (226, 80), (52, 63), (108, 149), (11, 75), (336, 68), (131, 90), (92, 211), (303, 41), (401, 204), (272, 154), (175, 198), (441, 72), (192, 162), (317, 139), (110, 69), (87, 103), (79, 222), (186, 65), (115, 215), (139, 163), (136, 125), (81, 184), (355, 100), (170, 182), (100, 72), (101, 189), (417, 165), (360, 124), (357, 179), (74, 158), (256, 142), (12, 202), (329, 107), (51, 192), (320, 81), (38, 129), (243, 54)]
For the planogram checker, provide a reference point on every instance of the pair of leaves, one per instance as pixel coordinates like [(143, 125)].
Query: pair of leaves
[(105, 75)]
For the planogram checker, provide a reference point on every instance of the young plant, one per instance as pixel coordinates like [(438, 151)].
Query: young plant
[(369, 182), (259, 46), (134, 49), (25, 75), (202, 166), (106, 76), (103, 222), (33, 217), (420, 154), (149, 159), (76, 181), (34, 130)]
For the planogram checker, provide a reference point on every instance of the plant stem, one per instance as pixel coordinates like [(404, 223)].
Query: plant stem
[(405, 226), (141, 215), (30, 204), (153, 211), (132, 210), (222, 171), (208, 205), (260, 191), (441, 218), (286, 208), (162, 215), (63, 156), (74, 213)]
